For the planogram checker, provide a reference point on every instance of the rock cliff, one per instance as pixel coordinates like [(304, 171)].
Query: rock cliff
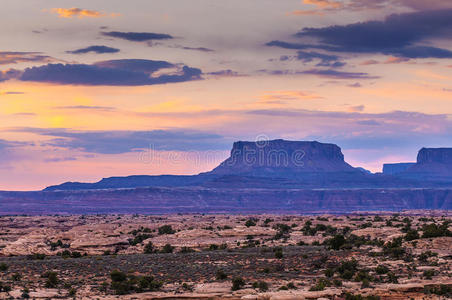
[(280, 157), (433, 165)]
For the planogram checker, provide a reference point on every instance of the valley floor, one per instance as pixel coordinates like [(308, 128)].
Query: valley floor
[(365, 256)]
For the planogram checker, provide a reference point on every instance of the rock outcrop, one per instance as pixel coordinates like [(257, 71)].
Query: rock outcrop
[(433, 165), (397, 168), (280, 157)]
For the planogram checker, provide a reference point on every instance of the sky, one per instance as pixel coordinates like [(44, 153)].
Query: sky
[(93, 89)]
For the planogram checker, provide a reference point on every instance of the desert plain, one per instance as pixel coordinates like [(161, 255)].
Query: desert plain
[(355, 256)]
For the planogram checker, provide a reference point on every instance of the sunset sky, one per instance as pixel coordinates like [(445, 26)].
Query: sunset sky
[(92, 89)]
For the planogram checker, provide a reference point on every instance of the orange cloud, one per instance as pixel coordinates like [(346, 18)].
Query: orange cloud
[(280, 97), (80, 13), (324, 3)]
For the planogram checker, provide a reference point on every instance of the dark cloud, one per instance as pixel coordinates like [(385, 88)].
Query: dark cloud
[(225, 73), (137, 36), (338, 74), (95, 49), (110, 73), (117, 142), (202, 49), (398, 34), (325, 59), (138, 65), (287, 45)]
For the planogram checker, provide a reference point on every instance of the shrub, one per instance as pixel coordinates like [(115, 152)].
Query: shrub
[(349, 296), (221, 275), (433, 230), (336, 242), (149, 248), (329, 272), (122, 284), (441, 290), (261, 285), (52, 279), (428, 274), (16, 277), (321, 284), (4, 267), (237, 283), (167, 249), (250, 222), (347, 269), (279, 253), (381, 269), (25, 293), (291, 286), (166, 229), (411, 235), (186, 250)]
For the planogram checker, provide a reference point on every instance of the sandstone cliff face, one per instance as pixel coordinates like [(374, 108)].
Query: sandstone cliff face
[(433, 164), (282, 157), (394, 169), (208, 200), (435, 155)]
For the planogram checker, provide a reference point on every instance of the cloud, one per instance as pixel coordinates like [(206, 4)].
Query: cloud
[(9, 74), (368, 123), (9, 57), (327, 6), (95, 49), (86, 107), (324, 3), (282, 97), (201, 49), (337, 74), (358, 108), (225, 73), (398, 35), (139, 65), (9, 145), (325, 59), (11, 92), (80, 13), (125, 72), (355, 85), (117, 142), (60, 159), (137, 36)]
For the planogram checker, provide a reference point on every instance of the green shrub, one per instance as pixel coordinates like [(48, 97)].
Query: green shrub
[(166, 229), (250, 222), (149, 248), (433, 230), (52, 279), (381, 269), (237, 283), (4, 267), (167, 249), (221, 275)]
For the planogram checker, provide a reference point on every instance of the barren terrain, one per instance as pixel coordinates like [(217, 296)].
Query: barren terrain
[(356, 256)]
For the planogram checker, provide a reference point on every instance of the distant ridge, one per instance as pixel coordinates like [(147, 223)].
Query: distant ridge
[(282, 164)]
